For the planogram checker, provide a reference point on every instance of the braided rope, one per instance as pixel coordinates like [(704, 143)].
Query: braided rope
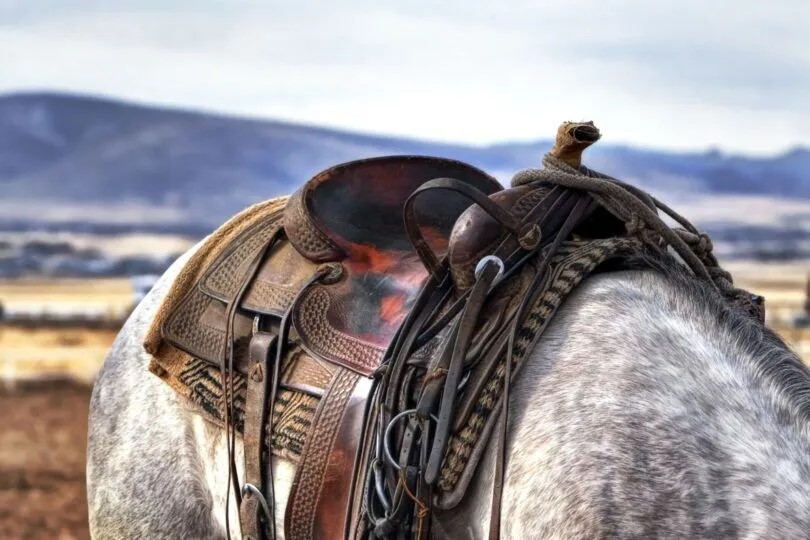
[(638, 210)]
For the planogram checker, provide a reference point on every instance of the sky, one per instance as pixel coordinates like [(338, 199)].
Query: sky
[(684, 75)]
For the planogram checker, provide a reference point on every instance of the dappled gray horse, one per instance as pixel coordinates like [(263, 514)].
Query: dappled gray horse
[(648, 408), (652, 405)]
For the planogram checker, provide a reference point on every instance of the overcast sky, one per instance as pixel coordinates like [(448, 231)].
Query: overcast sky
[(687, 74)]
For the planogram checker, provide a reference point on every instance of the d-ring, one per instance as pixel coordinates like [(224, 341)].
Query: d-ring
[(483, 264), (386, 448)]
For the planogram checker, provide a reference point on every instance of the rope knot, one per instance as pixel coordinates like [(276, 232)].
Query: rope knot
[(704, 245)]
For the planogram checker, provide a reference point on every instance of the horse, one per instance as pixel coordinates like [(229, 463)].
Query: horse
[(649, 407)]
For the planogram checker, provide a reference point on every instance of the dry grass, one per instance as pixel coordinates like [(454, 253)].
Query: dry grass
[(30, 353), (75, 352), (110, 296)]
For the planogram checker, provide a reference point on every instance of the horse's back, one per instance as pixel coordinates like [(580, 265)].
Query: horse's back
[(631, 416), (636, 415)]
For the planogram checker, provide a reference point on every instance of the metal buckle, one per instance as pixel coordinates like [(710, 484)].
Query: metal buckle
[(249, 489)]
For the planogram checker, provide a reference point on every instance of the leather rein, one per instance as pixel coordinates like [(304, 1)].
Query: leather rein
[(414, 401)]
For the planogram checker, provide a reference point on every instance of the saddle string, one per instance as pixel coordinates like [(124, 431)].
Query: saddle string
[(583, 208), (321, 273), (452, 376), (227, 366)]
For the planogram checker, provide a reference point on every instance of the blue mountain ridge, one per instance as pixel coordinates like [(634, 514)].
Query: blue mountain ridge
[(60, 149)]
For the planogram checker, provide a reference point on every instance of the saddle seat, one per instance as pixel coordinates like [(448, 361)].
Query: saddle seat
[(352, 214)]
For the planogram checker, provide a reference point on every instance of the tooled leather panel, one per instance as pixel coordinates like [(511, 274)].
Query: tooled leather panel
[(278, 281), (319, 336), (197, 326), (227, 273), (304, 234), (184, 330), (268, 298), (334, 508), (309, 478), (307, 372)]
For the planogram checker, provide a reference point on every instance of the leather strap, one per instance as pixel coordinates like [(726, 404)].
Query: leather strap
[(310, 478), (583, 207), (259, 350), (420, 244)]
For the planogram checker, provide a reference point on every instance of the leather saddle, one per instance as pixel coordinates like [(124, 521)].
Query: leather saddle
[(408, 282), (350, 214)]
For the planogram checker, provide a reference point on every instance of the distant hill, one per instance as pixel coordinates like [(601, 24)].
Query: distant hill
[(65, 157)]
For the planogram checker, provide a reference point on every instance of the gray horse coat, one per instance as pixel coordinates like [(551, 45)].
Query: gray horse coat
[(647, 409)]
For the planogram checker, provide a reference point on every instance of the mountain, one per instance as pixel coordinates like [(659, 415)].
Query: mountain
[(67, 157)]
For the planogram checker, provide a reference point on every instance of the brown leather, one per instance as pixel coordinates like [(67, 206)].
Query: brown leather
[(477, 234), (359, 204), (347, 324), (358, 286), (350, 322), (261, 346), (352, 213), (334, 507), (307, 489)]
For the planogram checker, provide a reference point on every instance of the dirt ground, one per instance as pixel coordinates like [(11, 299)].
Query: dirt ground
[(43, 431)]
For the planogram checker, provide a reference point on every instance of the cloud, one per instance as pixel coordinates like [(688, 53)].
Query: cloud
[(685, 74)]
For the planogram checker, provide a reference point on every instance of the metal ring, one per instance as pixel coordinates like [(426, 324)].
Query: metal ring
[(250, 488), (386, 448)]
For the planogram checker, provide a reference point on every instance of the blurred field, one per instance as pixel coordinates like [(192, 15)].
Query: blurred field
[(33, 353), (76, 351), (74, 348), (110, 297), (42, 459)]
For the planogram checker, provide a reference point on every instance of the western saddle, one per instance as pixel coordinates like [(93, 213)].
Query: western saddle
[(403, 285)]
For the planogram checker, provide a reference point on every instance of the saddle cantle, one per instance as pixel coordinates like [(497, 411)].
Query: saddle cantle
[(388, 314)]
